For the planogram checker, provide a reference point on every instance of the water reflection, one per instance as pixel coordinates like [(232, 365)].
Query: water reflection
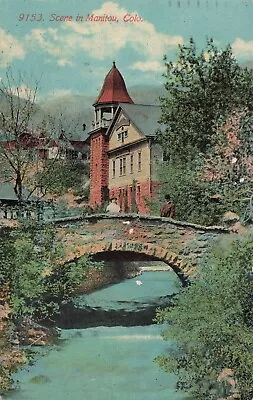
[(124, 304), (102, 362)]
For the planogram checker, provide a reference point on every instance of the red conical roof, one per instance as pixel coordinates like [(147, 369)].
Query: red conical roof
[(114, 88)]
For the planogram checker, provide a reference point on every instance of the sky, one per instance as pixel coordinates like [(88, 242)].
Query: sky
[(73, 56)]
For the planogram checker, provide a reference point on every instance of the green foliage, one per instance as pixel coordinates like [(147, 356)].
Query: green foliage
[(192, 196), (84, 192), (87, 210), (211, 326), (207, 133), (63, 175), (31, 267), (33, 282), (64, 280), (203, 88)]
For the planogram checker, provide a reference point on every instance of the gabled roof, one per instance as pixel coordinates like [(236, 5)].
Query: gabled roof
[(114, 88), (144, 117), (7, 192)]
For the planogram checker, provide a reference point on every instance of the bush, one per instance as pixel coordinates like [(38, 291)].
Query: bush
[(191, 196), (31, 267), (63, 175), (211, 325)]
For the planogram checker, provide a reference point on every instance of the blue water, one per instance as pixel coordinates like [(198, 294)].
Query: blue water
[(131, 294), (106, 363)]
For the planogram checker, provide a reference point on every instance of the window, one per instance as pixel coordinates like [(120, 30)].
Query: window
[(62, 153), (113, 168), (139, 161), (122, 166), (131, 163), (121, 198), (122, 135)]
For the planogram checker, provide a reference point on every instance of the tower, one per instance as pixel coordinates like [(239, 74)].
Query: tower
[(113, 92)]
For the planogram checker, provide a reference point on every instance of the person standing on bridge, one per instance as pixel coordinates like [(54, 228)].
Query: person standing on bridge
[(113, 207), (168, 208)]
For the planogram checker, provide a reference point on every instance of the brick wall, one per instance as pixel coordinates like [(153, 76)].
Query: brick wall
[(99, 168), (125, 196)]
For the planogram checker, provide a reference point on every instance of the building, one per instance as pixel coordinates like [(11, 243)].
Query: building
[(123, 152), (10, 206), (47, 146)]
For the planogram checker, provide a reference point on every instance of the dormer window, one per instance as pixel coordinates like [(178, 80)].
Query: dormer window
[(122, 136)]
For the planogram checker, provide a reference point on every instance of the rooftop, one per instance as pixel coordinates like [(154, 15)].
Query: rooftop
[(7, 192), (114, 88), (144, 117)]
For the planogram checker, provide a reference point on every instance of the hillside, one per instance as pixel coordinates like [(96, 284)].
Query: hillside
[(72, 111)]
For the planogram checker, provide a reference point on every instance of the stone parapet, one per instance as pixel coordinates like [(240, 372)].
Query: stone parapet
[(134, 237)]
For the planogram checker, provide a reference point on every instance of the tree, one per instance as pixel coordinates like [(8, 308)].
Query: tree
[(229, 167), (33, 283), (26, 134), (33, 276), (63, 176), (191, 195), (211, 326), (17, 112), (203, 89)]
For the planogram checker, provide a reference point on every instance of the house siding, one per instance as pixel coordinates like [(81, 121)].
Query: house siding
[(123, 160)]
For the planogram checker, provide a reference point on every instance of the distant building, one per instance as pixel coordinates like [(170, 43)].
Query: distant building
[(9, 201), (123, 152), (9, 197), (46, 146)]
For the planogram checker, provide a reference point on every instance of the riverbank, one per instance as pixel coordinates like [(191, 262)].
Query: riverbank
[(106, 359), (31, 334), (13, 338), (111, 273), (11, 357), (155, 266), (108, 274)]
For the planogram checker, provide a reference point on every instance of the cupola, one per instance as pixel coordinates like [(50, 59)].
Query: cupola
[(114, 89)]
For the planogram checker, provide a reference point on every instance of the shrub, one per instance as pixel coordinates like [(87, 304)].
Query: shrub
[(211, 325), (192, 197)]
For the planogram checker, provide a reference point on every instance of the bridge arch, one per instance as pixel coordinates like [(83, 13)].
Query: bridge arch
[(149, 250)]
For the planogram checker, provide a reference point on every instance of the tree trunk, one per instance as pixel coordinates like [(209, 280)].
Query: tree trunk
[(18, 186)]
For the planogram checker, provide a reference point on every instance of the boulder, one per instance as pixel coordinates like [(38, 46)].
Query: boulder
[(230, 217)]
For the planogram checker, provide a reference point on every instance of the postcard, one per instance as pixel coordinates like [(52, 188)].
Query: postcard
[(90, 85)]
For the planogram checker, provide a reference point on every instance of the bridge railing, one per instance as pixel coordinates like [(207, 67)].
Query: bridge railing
[(146, 219)]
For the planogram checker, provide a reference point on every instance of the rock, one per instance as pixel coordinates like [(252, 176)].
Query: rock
[(227, 375), (215, 197), (39, 379), (230, 217), (37, 335), (238, 228)]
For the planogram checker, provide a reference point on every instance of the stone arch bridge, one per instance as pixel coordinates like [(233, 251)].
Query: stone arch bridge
[(131, 237)]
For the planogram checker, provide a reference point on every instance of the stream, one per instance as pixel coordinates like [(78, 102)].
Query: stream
[(107, 347)]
